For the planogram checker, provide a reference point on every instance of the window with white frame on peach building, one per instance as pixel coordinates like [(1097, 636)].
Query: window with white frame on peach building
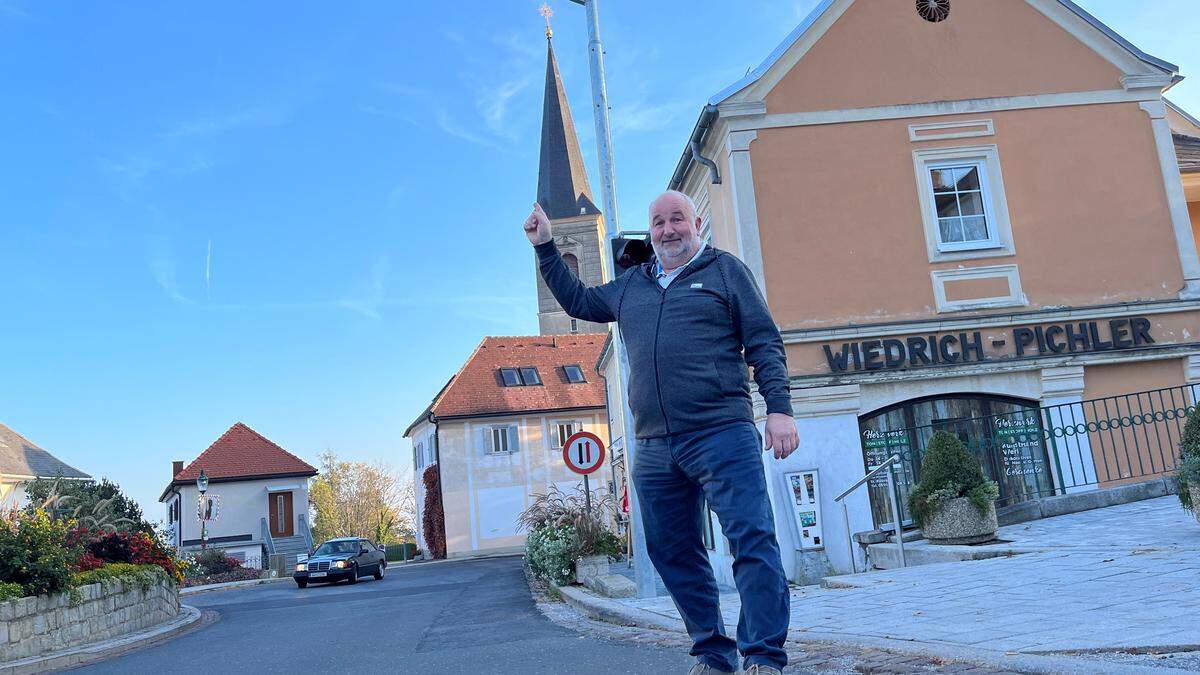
[(963, 206)]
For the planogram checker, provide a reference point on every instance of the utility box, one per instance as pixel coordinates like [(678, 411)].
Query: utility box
[(804, 493)]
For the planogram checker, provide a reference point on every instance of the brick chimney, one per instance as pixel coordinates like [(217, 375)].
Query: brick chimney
[(176, 467)]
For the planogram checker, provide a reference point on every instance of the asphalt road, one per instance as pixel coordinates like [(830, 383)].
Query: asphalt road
[(455, 617)]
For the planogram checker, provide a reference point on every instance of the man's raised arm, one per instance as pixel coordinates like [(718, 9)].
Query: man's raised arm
[(596, 304)]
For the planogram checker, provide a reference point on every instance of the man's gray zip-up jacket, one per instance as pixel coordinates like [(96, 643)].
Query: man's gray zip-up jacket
[(688, 344)]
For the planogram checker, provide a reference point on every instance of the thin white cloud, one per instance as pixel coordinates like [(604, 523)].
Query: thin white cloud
[(162, 268), (492, 102), (371, 300), (13, 9), (218, 124), (642, 117)]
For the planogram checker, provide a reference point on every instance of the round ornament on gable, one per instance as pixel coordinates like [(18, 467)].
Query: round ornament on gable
[(933, 10)]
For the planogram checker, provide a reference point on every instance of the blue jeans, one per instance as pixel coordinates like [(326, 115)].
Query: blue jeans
[(722, 465)]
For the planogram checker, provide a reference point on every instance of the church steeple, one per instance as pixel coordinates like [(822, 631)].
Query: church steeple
[(563, 189), (564, 193)]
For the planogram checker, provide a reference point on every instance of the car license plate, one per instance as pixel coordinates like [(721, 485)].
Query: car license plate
[(317, 575)]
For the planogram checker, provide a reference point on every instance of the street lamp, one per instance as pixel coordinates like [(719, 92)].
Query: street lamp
[(202, 486)]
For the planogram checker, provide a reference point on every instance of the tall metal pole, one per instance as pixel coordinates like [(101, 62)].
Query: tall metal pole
[(643, 573)]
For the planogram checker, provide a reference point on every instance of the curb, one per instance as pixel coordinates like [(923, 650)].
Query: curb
[(228, 585), (611, 611), (78, 656)]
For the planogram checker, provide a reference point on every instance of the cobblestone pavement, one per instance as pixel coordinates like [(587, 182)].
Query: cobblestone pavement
[(803, 657), (1126, 578)]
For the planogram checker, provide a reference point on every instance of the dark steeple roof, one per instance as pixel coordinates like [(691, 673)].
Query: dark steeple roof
[(563, 189)]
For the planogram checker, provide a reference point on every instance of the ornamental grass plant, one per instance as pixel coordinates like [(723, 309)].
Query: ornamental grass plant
[(949, 471)]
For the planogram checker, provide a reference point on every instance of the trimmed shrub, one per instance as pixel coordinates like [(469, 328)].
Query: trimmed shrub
[(214, 561), (34, 552), (11, 591), (433, 519), (592, 533), (1189, 466), (142, 576), (550, 553), (949, 471)]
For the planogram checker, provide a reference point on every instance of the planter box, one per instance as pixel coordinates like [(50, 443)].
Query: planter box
[(959, 522), (49, 623), (590, 567)]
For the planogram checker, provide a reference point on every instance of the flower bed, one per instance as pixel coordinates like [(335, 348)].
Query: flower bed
[(213, 566)]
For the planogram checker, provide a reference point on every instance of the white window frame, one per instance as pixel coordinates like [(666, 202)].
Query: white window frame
[(576, 427), (492, 446), (995, 203)]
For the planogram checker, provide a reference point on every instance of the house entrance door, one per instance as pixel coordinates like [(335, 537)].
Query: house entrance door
[(280, 509)]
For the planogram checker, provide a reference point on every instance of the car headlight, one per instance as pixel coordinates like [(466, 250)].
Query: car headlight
[(301, 567), (340, 563)]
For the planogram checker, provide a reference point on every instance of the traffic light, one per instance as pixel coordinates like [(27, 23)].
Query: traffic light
[(630, 252)]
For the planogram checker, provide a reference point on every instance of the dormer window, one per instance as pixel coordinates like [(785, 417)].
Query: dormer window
[(574, 374)]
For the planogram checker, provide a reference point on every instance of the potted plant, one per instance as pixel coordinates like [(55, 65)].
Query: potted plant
[(568, 540), (1187, 477), (953, 503)]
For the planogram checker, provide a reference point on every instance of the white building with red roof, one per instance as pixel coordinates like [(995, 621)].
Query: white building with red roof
[(255, 504), (494, 435)]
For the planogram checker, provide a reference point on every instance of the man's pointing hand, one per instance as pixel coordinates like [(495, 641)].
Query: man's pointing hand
[(537, 226)]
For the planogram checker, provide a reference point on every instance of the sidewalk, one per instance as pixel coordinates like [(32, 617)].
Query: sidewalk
[(1123, 577)]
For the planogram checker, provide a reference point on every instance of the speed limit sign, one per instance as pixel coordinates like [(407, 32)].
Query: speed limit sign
[(583, 452)]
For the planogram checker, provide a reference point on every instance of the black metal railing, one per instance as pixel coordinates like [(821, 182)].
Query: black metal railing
[(1041, 451)]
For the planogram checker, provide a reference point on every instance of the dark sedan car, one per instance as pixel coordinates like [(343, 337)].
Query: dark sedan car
[(341, 559)]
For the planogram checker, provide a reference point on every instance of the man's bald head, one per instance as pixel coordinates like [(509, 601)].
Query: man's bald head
[(674, 229), (674, 198)]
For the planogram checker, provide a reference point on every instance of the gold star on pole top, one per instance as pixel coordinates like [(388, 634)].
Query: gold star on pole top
[(546, 13)]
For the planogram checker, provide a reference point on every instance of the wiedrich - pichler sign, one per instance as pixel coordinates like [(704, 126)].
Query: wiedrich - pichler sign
[(1027, 341)]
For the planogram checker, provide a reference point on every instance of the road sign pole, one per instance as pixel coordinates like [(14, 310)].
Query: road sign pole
[(587, 494)]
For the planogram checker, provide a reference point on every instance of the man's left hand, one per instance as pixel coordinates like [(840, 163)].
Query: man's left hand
[(781, 435)]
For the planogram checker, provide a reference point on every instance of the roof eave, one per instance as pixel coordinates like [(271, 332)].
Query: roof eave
[(780, 49)]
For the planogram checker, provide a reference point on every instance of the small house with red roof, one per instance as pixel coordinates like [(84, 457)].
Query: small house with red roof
[(494, 435), (255, 504)]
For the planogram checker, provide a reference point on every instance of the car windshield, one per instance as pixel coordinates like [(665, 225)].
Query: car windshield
[(337, 548)]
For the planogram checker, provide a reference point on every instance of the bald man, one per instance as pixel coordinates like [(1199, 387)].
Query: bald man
[(693, 321)]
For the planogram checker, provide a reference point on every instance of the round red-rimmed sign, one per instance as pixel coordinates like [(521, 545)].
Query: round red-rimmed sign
[(583, 452)]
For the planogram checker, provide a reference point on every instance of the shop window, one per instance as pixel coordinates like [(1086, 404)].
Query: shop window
[(1004, 433), (963, 206)]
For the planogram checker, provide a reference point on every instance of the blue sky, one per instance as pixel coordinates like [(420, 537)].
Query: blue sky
[(359, 175)]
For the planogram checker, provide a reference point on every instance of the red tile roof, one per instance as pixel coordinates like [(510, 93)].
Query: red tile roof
[(1187, 153), (242, 452), (477, 389)]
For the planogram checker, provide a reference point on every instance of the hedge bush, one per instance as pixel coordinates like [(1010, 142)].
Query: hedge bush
[(949, 471), (143, 576), (35, 552)]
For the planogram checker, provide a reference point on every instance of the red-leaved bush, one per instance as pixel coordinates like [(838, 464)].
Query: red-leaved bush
[(433, 519), (100, 547)]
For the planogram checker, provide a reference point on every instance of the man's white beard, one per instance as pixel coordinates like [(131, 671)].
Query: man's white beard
[(674, 258)]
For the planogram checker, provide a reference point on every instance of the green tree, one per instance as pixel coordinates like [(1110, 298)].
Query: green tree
[(357, 499)]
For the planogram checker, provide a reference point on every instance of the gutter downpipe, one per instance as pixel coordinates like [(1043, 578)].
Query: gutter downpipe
[(692, 153)]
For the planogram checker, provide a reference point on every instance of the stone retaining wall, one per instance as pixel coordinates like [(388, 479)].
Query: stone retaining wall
[(48, 623)]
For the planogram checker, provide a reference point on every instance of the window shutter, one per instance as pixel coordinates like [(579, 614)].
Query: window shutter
[(484, 440), (513, 439)]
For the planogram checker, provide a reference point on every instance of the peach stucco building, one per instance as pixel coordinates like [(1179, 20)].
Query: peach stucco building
[(975, 223)]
